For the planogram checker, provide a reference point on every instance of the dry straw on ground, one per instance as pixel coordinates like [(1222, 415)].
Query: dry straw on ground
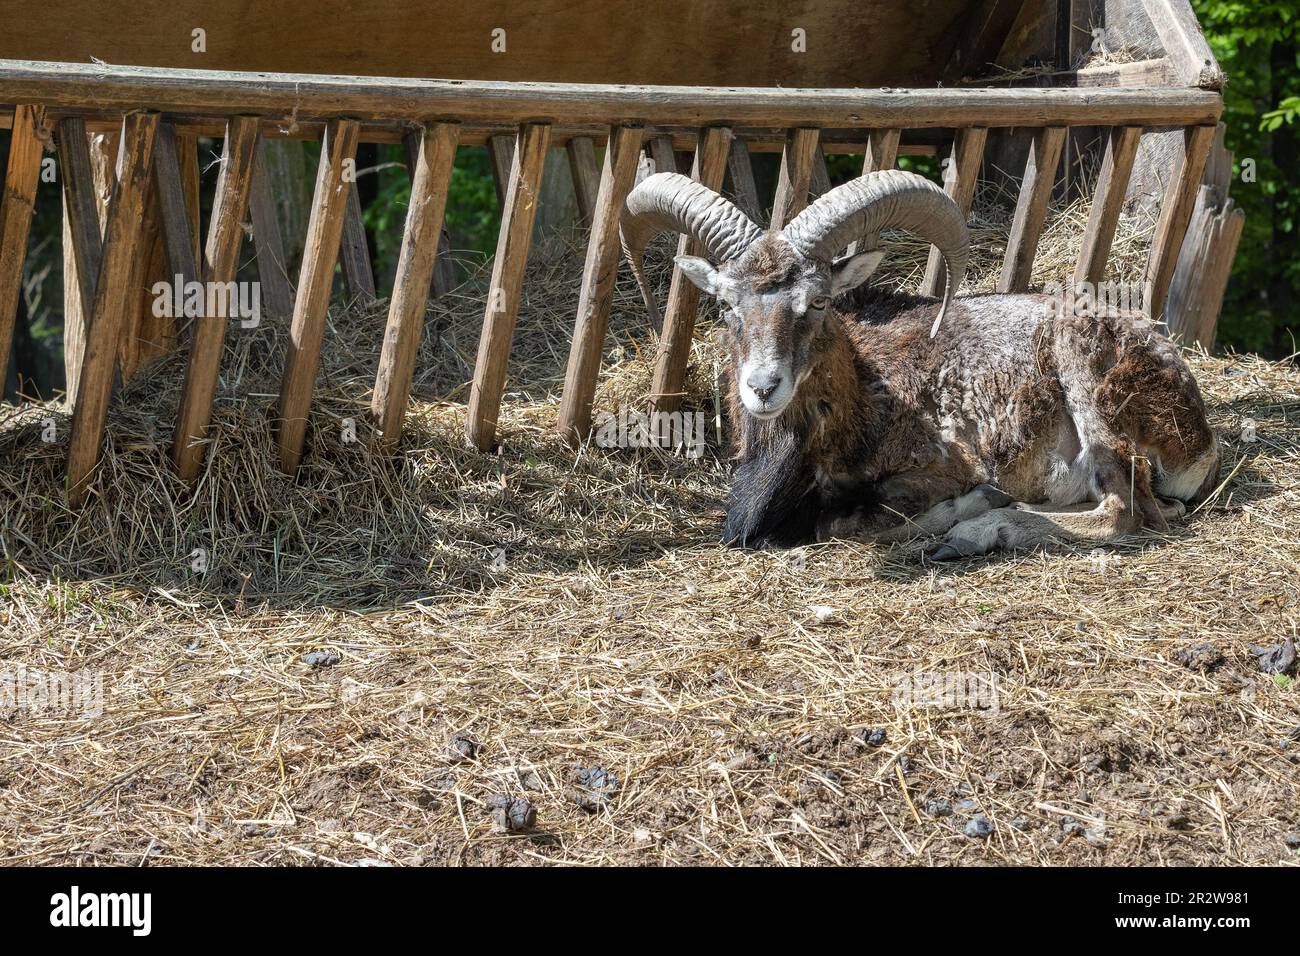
[(492, 622)]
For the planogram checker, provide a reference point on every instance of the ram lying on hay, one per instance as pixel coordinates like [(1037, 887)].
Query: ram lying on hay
[(541, 656)]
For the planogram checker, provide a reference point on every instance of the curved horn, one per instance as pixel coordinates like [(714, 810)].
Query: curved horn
[(668, 202), (889, 199)]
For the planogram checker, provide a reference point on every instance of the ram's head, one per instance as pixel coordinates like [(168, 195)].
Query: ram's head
[(777, 288)]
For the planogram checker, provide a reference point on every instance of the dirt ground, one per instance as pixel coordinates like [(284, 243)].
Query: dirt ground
[(365, 664)]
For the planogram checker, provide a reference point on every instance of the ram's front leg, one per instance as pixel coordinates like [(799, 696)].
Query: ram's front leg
[(884, 525), (773, 499)]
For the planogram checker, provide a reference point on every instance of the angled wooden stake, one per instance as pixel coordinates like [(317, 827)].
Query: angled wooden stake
[(741, 169), (444, 272), (598, 276), (225, 235), (355, 253), (415, 267), (661, 152), (586, 176), (796, 175), (272, 267), (1175, 213), (113, 296), (21, 176), (711, 151), (501, 157), (319, 257), (187, 154), (959, 182), (173, 208), (1107, 201), (83, 244), (820, 184), (1031, 208), (881, 154), (507, 285)]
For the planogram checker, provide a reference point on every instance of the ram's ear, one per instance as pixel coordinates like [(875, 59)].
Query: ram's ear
[(701, 272), (851, 271)]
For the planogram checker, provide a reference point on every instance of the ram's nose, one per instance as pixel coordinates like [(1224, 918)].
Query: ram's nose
[(763, 385)]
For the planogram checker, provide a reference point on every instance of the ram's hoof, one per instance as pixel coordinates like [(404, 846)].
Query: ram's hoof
[(954, 550), (995, 497)]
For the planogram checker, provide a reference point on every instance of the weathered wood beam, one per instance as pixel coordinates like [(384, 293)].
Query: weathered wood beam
[(354, 252), (272, 264), (319, 257), (1031, 208), (1107, 202), (598, 276), (415, 267), (225, 235), (795, 177), (113, 296), (960, 177), (740, 167), (1143, 74), (173, 208), (501, 158), (821, 175), (82, 246), (1180, 34), (109, 87), (444, 272), (1175, 212), (507, 283), (21, 177), (586, 176), (663, 154), (683, 296)]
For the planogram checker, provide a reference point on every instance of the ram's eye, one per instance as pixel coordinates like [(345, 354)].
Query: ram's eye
[(819, 302)]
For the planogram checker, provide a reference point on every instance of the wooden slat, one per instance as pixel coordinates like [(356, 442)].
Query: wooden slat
[(82, 246), (319, 257), (415, 267), (444, 273), (1107, 202), (821, 176), (586, 176), (881, 153), (796, 175), (959, 182), (683, 295), (501, 157), (598, 282), (187, 154), (221, 255), (741, 169), (661, 151), (1175, 212), (147, 336), (272, 264), (1180, 34), (21, 176), (1031, 208), (354, 251), (181, 91), (506, 287), (113, 296), (172, 207)]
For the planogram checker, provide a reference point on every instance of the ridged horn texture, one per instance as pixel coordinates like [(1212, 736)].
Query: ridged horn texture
[(889, 199), (669, 202)]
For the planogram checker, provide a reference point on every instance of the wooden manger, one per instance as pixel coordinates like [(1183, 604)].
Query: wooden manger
[(152, 116)]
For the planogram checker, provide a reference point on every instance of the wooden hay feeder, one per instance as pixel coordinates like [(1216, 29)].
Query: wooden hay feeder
[(878, 78)]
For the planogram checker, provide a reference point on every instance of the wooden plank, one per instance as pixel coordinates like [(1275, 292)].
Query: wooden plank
[(187, 154), (1142, 74), (1175, 211), (72, 85), (663, 154), (22, 173), (1107, 202), (272, 264), (506, 286), (444, 273), (586, 176), (173, 207), (598, 277), (415, 267), (960, 178), (221, 255), (1180, 34), (501, 157), (881, 153), (683, 296), (796, 175), (354, 252), (113, 296), (146, 336), (1031, 208), (82, 246), (307, 330), (744, 190), (820, 183)]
